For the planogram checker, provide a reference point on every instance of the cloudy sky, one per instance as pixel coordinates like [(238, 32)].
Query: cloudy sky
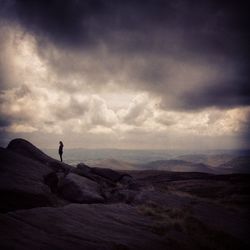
[(149, 74)]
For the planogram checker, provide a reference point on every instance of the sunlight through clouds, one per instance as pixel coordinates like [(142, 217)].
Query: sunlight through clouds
[(121, 83)]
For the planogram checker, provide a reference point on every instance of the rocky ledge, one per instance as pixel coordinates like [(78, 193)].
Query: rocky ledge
[(46, 204)]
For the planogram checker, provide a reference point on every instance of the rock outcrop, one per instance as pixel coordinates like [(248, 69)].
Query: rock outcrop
[(30, 179), (22, 182), (79, 189), (30, 151), (47, 205), (79, 226), (103, 174)]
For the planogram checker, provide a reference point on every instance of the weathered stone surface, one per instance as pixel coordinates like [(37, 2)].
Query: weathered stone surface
[(152, 210), (21, 182), (79, 226), (123, 195), (59, 166), (30, 151), (83, 170), (109, 174), (103, 176), (80, 189)]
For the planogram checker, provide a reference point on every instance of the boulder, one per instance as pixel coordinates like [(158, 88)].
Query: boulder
[(109, 174), (22, 182), (30, 151), (79, 189), (103, 177), (83, 170)]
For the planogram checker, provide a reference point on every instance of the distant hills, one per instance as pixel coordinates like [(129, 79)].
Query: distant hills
[(113, 163), (239, 164), (177, 166), (219, 164), (48, 204), (213, 160), (168, 165)]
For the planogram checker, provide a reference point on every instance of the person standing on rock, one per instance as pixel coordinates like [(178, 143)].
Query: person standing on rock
[(60, 150)]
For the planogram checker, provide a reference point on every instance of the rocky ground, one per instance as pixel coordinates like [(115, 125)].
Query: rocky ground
[(46, 204)]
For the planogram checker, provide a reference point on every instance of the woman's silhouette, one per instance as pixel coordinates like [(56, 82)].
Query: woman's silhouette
[(60, 150)]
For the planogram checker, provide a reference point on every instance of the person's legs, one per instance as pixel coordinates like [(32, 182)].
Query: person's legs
[(61, 157)]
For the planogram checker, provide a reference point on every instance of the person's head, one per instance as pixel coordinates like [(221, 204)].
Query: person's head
[(60, 142)]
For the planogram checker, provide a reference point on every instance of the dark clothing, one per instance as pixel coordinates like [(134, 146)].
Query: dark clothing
[(60, 150)]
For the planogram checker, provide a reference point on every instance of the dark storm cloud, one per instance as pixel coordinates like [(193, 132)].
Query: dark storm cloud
[(204, 32), (227, 96), (4, 122), (73, 22)]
